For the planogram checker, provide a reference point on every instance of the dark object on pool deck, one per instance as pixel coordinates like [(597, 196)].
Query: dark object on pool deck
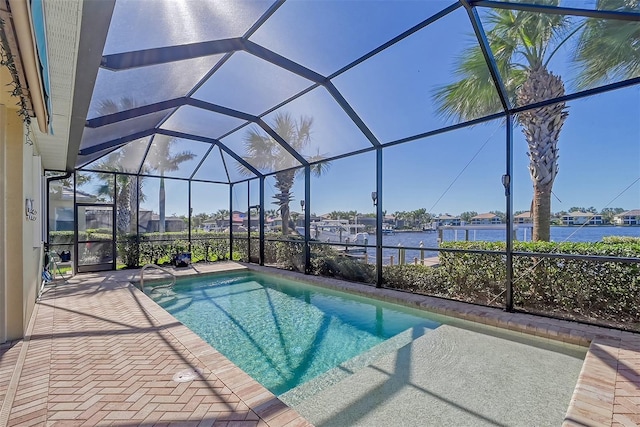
[(65, 256), (182, 260)]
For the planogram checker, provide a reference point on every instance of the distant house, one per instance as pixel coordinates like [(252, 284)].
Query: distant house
[(61, 207), (149, 222), (214, 225), (390, 222), (581, 218), (523, 218), (631, 217), (447, 219), (486, 219)]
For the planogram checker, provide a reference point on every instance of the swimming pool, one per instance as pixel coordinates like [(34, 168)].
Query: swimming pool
[(284, 333)]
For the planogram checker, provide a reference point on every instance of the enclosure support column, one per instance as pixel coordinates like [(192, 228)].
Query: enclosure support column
[(231, 221), (114, 219), (137, 218), (189, 222), (379, 217), (307, 219), (261, 212), (508, 186), (248, 222), (75, 224)]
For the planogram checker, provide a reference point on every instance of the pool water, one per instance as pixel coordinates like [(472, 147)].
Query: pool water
[(283, 333)]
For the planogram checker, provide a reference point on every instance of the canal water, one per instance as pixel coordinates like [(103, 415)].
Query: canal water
[(429, 239)]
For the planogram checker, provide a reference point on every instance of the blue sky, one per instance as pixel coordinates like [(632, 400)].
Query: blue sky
[(393, 94)]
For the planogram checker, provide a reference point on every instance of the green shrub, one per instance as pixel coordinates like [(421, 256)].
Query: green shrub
[(61, 237), (604, 292), (620, 239), (326, 261), (418, 279), (128, 250)]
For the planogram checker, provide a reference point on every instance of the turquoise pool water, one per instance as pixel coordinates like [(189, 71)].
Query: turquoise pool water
[(283, 333)]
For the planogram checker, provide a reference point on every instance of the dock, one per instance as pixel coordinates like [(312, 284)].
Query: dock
[(474, 227)]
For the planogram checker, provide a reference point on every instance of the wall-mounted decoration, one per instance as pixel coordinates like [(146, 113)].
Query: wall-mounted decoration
[(29, 211)]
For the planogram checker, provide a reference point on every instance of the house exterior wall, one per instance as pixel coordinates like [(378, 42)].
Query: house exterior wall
[(626, 220), (448, 221), (582, 220), (20, 245), (32, 229)]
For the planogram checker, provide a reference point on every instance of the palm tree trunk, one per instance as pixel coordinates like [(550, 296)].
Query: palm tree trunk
[(123, 215), (284, 182), (134, 190), (541, 213), (161, 199), (541, 128), (123, 205)]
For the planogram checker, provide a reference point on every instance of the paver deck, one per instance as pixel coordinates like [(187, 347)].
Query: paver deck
[(100, 352)]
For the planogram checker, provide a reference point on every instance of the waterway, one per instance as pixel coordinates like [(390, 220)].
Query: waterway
[(429, 239)]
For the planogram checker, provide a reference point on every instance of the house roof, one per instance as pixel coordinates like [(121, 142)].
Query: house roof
[(523, 215), (582, 214), (487, 215), (447, 216), (632, 212)]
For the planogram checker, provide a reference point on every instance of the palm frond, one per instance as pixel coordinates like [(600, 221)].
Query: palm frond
[(609, 50), (474, 95), (265, 153)]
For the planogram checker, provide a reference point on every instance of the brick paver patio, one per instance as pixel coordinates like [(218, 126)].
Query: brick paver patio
[(99, 352)]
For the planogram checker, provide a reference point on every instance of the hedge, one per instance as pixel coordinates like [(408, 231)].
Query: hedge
[(601, 292)]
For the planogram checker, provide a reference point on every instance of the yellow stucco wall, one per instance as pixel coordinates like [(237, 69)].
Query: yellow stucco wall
[(11, 145), (19, 259), (32, 231)]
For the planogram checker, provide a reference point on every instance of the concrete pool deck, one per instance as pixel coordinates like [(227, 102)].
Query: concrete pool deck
[(99, 352)]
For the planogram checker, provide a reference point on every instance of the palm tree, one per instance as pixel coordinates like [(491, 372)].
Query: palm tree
[(126, 196), (221, 214), (264, 152), (120, 161), (523, 44), (161, 160)]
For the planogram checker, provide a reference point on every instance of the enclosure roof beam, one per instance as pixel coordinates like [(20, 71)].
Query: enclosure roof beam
[(132, 113), (577, 95), (220, 109), (558, 10), (273, 134), (282, 62), (488, 54), (195, 171), (335, 93), (213, 141), (398, 38), (162, 55), (115, 142)]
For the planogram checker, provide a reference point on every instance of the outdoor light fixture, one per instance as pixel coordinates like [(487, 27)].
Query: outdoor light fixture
[(302, 205), (374, 197)]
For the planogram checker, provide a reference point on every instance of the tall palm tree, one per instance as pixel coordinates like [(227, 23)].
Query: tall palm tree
[(264, 152), (121, 161), (126, 191), (523, 44), (162, 160)]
